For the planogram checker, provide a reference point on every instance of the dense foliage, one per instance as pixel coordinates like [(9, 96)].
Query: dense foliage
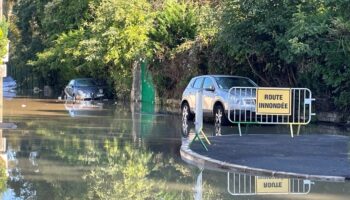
[(291, 43), (3, 39), (277, 43)]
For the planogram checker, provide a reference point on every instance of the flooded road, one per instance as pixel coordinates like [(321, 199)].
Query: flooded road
[(114, 151)]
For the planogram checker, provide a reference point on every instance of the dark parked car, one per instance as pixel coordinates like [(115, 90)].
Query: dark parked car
[(9, 87), (83, 89), (9, 84)]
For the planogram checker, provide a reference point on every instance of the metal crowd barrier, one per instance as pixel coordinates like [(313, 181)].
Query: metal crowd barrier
[(243, 185), (243, 104)]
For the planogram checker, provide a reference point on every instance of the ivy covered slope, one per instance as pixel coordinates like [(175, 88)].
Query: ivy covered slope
[(277, 43)]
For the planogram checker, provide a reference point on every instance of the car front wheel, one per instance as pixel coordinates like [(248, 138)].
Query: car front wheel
[(219, 116), (186, 113), (74, 99)]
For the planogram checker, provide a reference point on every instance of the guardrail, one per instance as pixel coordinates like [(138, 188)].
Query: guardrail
[(262, 105)]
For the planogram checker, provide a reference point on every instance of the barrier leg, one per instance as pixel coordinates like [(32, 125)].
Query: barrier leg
[(246, 128), (205, 137), (291, 130), (298, 131), (200, 139), (239, 129)]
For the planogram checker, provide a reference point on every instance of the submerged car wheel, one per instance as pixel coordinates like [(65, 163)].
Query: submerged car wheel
[(186, 113), (219, 116), (74, 99)]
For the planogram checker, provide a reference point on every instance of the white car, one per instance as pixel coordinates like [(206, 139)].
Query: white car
[(215, 96)]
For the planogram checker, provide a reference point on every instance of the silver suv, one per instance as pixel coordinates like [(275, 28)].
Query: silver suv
[(215, 96)]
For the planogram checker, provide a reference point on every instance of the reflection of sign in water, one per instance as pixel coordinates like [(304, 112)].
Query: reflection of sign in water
[(273, 101), (245, 184), (272, 185)]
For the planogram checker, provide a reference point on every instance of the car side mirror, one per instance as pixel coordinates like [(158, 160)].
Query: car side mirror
[(211, 89)]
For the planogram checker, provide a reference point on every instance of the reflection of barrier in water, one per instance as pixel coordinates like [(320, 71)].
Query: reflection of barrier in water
[(243, 184), (251, 105), (33, 160), (198, 189), (199, 120)]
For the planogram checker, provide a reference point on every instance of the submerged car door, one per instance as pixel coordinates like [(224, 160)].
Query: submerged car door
[(208, 95), (70, 87)]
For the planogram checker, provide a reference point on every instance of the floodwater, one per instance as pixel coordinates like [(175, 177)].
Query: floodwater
[(115, 151)]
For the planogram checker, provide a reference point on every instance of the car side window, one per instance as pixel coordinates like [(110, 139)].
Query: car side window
[(208, 83), (71, 83), (198, 83)]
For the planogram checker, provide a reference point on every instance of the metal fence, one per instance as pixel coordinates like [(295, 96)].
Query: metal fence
[(243, 184), (242, 108)]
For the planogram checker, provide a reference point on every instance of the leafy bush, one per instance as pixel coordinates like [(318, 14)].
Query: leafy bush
[(3, 38), (174, 24), (277, 43)]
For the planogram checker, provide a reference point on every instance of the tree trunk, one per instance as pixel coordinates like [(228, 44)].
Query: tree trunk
[(256, 73), (135, 95)]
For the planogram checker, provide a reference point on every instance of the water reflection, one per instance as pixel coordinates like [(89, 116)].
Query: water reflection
[(188, 129), (7, 84), (83, 108), (114, 152), (234, 185), (123, 152), (9, 87), (3, 164)]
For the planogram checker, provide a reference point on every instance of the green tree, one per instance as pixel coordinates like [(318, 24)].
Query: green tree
[(291, 43), (181, 32), (119, 31), (3, 39), (58, 64), (254, 35), (174, 24), (333, 66), (35, 24)]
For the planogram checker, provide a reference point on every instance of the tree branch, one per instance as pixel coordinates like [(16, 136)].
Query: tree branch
[(255, 72)]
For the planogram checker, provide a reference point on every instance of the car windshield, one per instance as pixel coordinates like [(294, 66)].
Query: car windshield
[(85, 82), (229, 82)]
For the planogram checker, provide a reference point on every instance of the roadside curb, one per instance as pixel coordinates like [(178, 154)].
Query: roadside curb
[(204, 162)]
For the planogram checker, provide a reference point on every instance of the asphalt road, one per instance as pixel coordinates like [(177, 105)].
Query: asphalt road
[(324, 155)]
